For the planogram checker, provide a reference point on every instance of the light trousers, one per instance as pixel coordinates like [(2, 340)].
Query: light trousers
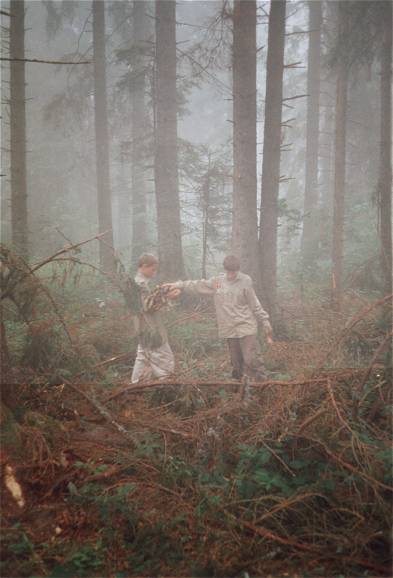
[(153, 363)]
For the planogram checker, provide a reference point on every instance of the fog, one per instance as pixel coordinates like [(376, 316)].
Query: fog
[(196, 288), (61, 140)]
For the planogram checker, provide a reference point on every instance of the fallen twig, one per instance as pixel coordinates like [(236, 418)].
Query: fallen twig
[(350, 467), (103, 412), (359, 317), (199, 383), (374, 359), (310, 420), (265, 533)]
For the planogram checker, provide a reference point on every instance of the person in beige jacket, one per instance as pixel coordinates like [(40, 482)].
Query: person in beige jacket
[(238, 312), (154, 357)]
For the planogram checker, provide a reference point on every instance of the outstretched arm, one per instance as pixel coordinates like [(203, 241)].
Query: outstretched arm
[(198, 287)]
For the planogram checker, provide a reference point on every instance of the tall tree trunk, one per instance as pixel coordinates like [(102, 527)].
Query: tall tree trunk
[(4, 352), (104, 202), (385, 170), (244, 223), (271, 152), (309, 239), (139, 129), (18, 129), (124, 202), (326, 148), (8, 388), (166, 170), (339, 161), (205, 215)]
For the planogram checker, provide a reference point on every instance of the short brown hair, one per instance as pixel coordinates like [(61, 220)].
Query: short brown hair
[(147, 259), (231, 263)]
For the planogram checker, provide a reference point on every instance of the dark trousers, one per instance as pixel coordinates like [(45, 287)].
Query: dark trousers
[(246, 357)]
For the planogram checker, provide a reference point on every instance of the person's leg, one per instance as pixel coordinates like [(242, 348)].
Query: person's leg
[(162, 361), (142, 369), (253, 362), (236, 356)]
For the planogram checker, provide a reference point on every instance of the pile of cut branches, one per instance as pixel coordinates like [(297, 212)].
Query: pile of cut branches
[(215, 479), (205, 477)]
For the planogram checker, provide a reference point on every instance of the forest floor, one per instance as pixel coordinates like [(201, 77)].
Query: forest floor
[(202, 475)]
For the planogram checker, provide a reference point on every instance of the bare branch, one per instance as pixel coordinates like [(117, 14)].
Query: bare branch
[(38, 61)]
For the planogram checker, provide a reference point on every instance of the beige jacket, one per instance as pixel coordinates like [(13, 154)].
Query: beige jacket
[(151, 319), (238, 309)]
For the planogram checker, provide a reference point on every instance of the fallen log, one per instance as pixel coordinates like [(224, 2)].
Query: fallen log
[(198, 383)]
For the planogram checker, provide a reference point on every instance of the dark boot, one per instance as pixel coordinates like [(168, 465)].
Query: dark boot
[(236, 374)]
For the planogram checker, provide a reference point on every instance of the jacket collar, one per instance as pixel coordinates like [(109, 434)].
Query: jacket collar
[(141, 277), (237, 278)]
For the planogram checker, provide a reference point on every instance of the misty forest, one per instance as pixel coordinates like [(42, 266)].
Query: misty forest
[(196, 288)]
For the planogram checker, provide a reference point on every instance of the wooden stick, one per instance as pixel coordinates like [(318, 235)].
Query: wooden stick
[(260, 385), (65, 250), (349, 466), (103, 412)]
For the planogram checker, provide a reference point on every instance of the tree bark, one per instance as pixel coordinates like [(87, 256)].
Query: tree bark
[(124, 203), (166, 169), (385, 170), (19, 222), (205, 215), (271, 153), (326, 151), (309, 239), (4, 352), (244, 220), (139, 130), (339, 162), (326, 144), (104, 201)]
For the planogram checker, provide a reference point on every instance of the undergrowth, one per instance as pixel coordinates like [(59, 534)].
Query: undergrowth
[(292, 479)]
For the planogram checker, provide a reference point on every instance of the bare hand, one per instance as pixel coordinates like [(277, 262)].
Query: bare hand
[(173, 294), (169, 286), (268, 330)]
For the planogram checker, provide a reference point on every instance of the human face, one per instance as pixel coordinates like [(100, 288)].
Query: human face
[(149, 270), (231, 275)]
